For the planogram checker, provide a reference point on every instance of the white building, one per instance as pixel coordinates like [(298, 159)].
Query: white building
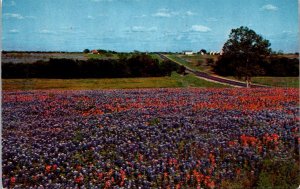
[(188, 52)]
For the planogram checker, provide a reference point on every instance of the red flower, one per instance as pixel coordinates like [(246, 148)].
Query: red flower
[(12, 180), (79, 179)]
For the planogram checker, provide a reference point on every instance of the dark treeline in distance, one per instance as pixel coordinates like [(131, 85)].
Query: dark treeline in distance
[(272, 66), (137, 65)]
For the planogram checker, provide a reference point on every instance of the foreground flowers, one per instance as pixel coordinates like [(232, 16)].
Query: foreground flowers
[(169, 138)]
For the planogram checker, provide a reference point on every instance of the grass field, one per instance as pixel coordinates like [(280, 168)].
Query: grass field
[(191, 80), (25, 57), (195, 62), (181, 61), (156, 56), (278, 81), (200, 62), (291, 82), (102, 56), (175, 80), (192, 64)]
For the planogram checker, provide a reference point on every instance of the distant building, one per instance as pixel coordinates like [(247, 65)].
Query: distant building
[(221, 53), (214, 53), (94, 52), (188, 52)]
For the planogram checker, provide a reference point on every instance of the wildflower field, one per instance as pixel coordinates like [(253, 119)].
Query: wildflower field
[(151, 138)]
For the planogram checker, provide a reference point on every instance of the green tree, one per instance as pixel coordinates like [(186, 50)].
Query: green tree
[(86, 51), (203, 51), (245, 51)]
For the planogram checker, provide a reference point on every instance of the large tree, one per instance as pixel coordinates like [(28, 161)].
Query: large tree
[(243, 53)]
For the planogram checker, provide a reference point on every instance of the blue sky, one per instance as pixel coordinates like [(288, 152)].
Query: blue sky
[(144, 25)]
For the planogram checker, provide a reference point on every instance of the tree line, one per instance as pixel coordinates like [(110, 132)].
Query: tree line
[(139, 65), (271, 66)]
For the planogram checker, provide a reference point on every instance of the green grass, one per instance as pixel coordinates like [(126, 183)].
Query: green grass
[(291, 82), (277, 81), (175, 80), (201, 61), (191, 80), (102, 56), (156, 56), (194, 62), (181, 61)]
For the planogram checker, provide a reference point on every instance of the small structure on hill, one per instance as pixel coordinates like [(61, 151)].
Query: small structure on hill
[(188, 52), (214, 53), (94, 52)]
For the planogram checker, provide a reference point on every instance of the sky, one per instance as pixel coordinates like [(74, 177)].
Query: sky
[(144, 25)]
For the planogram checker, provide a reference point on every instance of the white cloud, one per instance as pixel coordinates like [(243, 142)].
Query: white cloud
[(164, 13), (13, 15), (141, 16), (30, 17), (200, 28), (14, 31), (152, 29), (179, 37), (143, 29), (137, 29), (45, 31), (269, 7), (90, 17), (287, 32), (190, 13)]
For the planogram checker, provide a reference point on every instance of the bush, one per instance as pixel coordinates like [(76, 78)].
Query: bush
[(166, 67), (210, 62), (279, 174), (181, 69)]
